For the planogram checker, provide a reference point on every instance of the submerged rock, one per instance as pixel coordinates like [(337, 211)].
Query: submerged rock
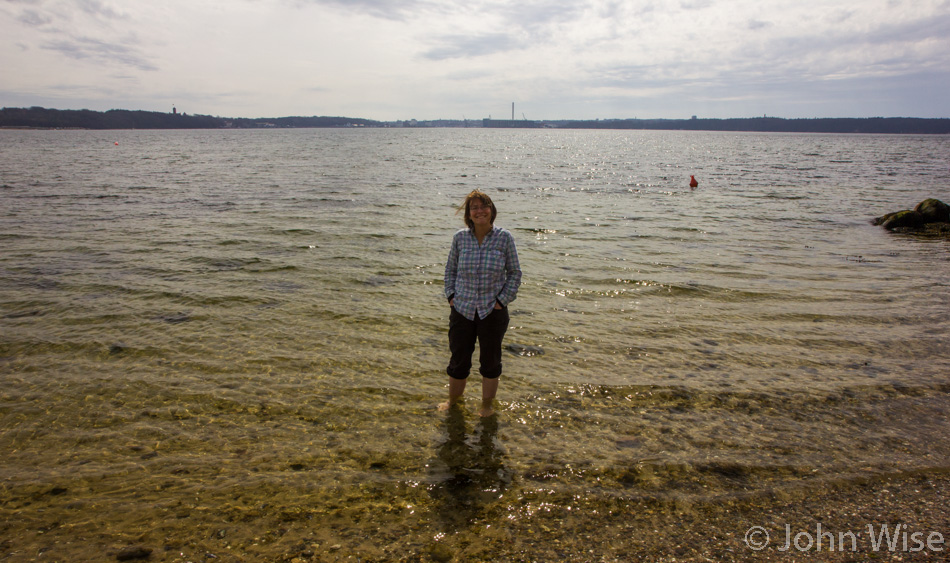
[(930, 216), (440, 552), (175, 318), (523, 350), (133, 553)]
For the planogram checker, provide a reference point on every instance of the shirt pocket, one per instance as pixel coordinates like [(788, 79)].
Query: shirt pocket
[(495, 263)]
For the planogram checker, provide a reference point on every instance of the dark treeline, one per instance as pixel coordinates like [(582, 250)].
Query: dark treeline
[(112, 119), (37, 117), (905, 125), (322, 121)]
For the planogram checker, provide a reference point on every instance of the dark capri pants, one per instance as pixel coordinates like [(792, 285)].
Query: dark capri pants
[(462, 335)]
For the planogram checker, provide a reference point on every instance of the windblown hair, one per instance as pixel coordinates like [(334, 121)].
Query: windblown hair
[(484, 199)]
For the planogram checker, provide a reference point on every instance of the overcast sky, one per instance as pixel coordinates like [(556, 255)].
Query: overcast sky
[(449, 59)]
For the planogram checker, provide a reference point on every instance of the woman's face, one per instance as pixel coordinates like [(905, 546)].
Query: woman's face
[(479, 212)]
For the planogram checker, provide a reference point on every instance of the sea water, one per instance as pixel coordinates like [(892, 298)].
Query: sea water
[(220, 336)]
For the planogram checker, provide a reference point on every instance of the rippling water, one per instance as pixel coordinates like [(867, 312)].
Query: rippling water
[(210, 329)]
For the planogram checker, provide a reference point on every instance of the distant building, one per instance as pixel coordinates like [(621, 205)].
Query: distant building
[(512, 124)]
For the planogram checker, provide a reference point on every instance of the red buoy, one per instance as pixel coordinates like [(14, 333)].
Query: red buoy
[(692, 182)]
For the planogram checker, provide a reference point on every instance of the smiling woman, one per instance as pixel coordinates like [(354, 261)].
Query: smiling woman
[(482, 276)]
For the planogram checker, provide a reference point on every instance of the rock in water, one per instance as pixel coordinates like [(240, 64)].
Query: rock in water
[(902, 219), (133, 553), (523, 350), (930, 216), (933, 211)]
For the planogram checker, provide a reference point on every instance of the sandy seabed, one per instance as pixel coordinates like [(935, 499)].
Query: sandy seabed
[(907, 515)]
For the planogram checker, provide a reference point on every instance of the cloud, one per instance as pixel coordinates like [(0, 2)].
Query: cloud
[(556, 58), (97, 9), (540, 13), (399, 10), (936, 27), (469, 46), (474, 14), (81, 30), (82, 48), (886, 47), (691, 5), (33, 18), (502, 27)]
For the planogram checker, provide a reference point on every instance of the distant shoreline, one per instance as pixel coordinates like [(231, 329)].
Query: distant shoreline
[(43, 118)]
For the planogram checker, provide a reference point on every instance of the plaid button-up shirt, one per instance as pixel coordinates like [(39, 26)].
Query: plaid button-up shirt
[(478, 275)]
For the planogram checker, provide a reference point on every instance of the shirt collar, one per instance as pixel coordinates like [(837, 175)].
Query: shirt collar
[(488, 234)]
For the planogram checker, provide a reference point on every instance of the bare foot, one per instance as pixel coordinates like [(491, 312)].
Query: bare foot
[(486, 410), (448, 404)]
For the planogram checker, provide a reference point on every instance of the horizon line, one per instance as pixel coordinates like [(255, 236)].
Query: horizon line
[(463, 119)]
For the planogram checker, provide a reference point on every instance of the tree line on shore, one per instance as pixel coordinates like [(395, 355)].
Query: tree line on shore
[(43, 118), (906, 125)]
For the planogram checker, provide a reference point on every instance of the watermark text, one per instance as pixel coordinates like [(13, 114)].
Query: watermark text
[(873, 537)]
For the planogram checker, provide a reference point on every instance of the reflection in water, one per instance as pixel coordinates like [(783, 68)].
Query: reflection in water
[(472, 472)]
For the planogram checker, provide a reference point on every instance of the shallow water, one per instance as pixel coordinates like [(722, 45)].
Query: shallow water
[(220, 327)]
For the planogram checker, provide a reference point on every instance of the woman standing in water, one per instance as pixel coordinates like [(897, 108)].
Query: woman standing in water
[(482, 276)]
